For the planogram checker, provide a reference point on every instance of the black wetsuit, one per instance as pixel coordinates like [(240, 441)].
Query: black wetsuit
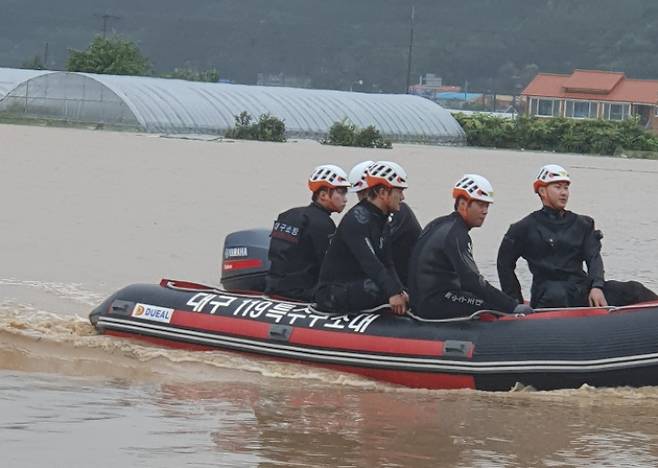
[(405, 230), (444, 280), (299, 240), (358, 272), (555, 244)]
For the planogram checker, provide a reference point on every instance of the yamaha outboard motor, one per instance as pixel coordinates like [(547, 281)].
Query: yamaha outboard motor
[(244, 261)]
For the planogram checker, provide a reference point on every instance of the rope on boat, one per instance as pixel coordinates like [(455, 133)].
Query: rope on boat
[(474, 316)]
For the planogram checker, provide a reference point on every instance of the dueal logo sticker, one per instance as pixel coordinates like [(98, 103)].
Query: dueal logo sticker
[(153, 313)]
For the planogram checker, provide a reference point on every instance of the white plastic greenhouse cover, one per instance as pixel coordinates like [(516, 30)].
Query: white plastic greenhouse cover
[(12, 77), (176, 106)]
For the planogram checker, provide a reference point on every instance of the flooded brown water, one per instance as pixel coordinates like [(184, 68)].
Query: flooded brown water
[(84, 213)]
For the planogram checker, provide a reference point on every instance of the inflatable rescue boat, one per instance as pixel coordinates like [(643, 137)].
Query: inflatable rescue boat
[(603, 347)]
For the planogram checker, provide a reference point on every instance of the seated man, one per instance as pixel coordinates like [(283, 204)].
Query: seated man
[(404, 226), (358, 272), (444, 281), (300, 236), (555, 243)]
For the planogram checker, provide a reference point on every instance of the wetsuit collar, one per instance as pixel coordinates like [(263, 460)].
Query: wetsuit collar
[(373, 208), (460, 220), (317, 205), (553, 214)]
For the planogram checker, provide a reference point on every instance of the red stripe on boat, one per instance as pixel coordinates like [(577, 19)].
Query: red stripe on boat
[(358, 342), (243, 264), (399, 377), (218, 323), (410, 378)]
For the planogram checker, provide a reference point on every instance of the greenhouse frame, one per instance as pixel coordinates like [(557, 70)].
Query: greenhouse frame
[(170, 106)]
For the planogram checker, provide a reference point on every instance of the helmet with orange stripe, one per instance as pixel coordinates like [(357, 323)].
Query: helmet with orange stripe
[(386, 173), (473, 187), (549, 174), (327, 176), (358, 176)]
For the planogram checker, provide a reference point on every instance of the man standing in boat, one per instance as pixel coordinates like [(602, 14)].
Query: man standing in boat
[(444, 281), (404, 226), (300, 236), (555, 242), (358, 271)]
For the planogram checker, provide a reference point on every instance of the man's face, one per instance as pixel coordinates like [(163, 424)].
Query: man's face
[(337, 199), (394, 197), (474, 212), (555, 195)]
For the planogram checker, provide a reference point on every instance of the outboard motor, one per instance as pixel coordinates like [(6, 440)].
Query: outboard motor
[(244, 261)]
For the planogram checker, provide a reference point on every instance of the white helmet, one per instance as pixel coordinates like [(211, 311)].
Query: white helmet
[(386, 173), (473, 187), (358, 176), (328, 176), (549, 174)]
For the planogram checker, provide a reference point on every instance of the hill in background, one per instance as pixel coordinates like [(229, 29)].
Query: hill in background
[(492, 44)]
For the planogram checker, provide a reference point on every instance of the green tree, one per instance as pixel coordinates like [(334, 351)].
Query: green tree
[(111, 56)]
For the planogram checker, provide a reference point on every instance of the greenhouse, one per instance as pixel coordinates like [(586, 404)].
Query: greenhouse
[(12, 77), (172, 106)]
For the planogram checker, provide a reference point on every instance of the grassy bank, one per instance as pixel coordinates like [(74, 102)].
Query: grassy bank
[(602, 137)]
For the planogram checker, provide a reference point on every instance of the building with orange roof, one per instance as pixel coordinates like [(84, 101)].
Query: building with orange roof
[(593, 94)]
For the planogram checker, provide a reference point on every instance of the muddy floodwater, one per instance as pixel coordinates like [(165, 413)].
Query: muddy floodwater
[(83, 213)]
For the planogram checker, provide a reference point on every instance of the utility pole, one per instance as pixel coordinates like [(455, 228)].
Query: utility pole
[(45, 56), (106, 18), (411, 48)]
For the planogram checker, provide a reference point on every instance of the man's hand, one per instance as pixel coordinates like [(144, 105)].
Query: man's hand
[(524, 309), (398, 303), (597, 298)]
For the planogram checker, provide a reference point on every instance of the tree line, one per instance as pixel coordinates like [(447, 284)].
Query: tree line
[(119, 56), (494, 45)]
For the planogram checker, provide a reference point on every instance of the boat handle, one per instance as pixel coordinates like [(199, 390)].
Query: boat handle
[(280, 332)]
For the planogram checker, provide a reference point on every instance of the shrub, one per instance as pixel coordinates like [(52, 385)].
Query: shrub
[(267, 128), (557, 134), (345, 133), (341, 134), (190, 74)]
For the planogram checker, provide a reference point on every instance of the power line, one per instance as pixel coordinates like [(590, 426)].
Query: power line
[(411, 48)]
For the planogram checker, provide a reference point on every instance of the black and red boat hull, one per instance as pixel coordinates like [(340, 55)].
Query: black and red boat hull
[(560, 349)]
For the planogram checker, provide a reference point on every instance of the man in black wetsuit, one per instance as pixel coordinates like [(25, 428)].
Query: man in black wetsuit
[(300, 236), (555, 243), (404, 226), (444, 281), (358, 271)]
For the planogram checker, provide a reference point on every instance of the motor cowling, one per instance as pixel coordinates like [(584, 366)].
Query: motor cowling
[(244, 260)]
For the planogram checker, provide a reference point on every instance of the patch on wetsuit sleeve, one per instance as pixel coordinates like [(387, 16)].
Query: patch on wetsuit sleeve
[(361, 214), (286, 232)]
